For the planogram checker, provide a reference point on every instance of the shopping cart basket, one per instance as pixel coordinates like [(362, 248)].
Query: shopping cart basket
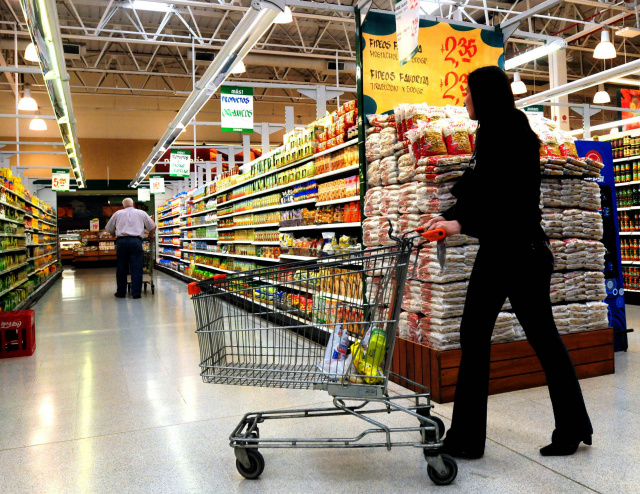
[(331, 325), (148, 257)]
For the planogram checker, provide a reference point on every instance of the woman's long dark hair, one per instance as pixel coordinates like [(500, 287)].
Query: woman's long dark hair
[(495, 106)]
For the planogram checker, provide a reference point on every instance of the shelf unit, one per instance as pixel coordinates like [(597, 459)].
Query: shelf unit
[(629, 233), (213, 210), (631, 290), (13, 268), (338, 201), (271, 208), (197, 226), (630, 263), (323, 226), (626, 158), (622, 184), (628, 208), (250, 227)]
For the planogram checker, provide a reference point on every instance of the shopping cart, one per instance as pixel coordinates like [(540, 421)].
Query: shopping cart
[(148, 256), (331, 325)]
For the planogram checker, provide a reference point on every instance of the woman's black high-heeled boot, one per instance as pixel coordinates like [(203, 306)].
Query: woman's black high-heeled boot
[(564, 446)]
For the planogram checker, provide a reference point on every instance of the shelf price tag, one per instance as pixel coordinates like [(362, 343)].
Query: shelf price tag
[(144, 195), (179, 163), (156, 184), (60, 180)]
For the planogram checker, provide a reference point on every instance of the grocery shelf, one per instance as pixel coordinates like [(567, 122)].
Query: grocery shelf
[(213, 267), (12, 207), (167, 245), (627, 158), (169, 226), (628, 208), (12, 235), (338, 201), (199, 238), (41, 256), (235, 241), (631, 290), (47, 222), (168, 217), (13, 287), (250, 227), (212, 210), (630, 263), (43, 287), (41, 244), (13, 268), (282, 168), (197, 226), (297, 286), (207, 252), (266, 242), (9, 220), (169, 255), (271, 208), (620, 184), (323, 226), (43, 267), (17, 249), (288, 185), (170, 235), (629, 233), (240, 256), (298, 258), (24, 199)]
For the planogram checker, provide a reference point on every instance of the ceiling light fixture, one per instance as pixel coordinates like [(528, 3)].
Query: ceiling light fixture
[(31, 54), (285, 17), (42, 21), (37, 124), (27, 103), (628, 32), (253, 25), (239, 68), (605, 49), (601, 96), (517, 86), (539, 52), (150, 6), (623, 80)]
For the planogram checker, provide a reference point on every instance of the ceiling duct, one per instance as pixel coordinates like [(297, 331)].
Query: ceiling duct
[(247, 33), (42, 21)]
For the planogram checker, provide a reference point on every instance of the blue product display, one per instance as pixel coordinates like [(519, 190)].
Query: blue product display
[(601, 151)]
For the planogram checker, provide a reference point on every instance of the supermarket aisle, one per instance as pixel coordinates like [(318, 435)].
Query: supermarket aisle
[(112, 402)]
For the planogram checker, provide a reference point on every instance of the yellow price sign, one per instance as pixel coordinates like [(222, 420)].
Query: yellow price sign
[(437, 74)]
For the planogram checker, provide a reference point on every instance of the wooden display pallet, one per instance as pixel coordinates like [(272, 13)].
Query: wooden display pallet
[(514, 365)]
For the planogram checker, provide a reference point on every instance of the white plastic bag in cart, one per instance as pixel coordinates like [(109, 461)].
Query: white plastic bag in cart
[(335, 360)]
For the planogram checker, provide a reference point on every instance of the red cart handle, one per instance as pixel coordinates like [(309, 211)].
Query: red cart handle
[(431, 235), (193, 288)]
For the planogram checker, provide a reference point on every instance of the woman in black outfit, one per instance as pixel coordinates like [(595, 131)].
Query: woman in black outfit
[(498, 203)]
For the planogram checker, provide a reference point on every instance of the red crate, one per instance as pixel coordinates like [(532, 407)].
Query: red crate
[(17, 333)]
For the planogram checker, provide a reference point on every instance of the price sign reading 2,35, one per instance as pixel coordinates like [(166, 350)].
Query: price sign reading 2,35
[(466, 50), (454, 88)]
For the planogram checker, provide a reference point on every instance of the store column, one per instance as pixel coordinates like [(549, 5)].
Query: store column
[(558, 77)]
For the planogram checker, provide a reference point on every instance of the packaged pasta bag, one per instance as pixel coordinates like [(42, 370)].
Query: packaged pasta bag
[(456, 136), (568, 147), (436, 113), (409, 113), (421, 114), (456, 112), (431, 140), (472, 126), (550, 145), (413, 136)]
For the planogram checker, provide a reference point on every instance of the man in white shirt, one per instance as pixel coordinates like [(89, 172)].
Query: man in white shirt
[(128, 225)]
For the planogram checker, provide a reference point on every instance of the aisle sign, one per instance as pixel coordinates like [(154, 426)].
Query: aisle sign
[(156, 184), (179, 163), (236, 108), (94, 225), (437, 74), (144, 195), (407, 20), (534, 110), (60, 180)]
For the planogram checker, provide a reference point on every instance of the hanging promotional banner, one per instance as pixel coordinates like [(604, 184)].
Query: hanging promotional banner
[(144, 195), (436, 75), (156, 184), (629, 98), (407, 27), (179, 163), (60, 180), (94, 225), (236, 108)]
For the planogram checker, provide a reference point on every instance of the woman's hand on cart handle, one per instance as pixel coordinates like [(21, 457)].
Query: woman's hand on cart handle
[(450, 227), (431, 235), (433, 221)]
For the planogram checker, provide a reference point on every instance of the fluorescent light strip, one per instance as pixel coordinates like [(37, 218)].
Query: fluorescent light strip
[(247, 33), (608, 125), (534, 54)]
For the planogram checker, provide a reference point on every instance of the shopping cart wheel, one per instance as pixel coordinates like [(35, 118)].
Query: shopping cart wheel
[(145, 287), (426, 412), (444, 478), (256, 466), (153, 289)]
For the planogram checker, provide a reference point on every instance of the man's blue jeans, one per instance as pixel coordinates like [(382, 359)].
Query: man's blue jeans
[(129, 254)]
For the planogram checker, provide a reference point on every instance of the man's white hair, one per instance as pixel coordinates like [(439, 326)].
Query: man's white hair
[(128, 202)]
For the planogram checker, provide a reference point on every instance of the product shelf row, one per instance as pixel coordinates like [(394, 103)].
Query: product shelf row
[(289, 185), (197, 226), (43, 267), (41, 256), (250, 227), (9, 220), (13, 268), (622, 184), (271, 208), (213, 210), (41, 289)]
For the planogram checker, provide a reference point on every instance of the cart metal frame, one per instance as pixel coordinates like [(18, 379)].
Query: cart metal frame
[(248, 348), (148, 259)]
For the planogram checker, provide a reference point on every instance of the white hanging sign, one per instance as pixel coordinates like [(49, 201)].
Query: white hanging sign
[(407, 29), (156, 184), (236, 108), (144, 195), (94, 225), (179, 163), (60, 180)]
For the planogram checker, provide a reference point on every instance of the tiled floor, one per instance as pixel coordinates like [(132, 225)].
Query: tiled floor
[(111, 402)]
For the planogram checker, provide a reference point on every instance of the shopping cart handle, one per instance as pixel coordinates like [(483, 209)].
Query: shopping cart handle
[(193, 288), (431, 235)]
